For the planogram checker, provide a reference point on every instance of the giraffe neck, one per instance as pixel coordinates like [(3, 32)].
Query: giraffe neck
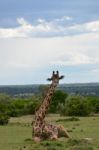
[(41, 112)]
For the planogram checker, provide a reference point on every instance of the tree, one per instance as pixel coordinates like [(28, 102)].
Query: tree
[(93, 102), (31, 107), (75, 106), (57, 99)]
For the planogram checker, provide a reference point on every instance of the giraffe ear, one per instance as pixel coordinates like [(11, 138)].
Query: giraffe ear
[(61, 77), (49, 79)]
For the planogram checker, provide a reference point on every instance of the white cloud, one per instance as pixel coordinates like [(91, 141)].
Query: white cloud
[(93, 26), (39, 20), (44, 28), (64, 18), (75, 59), (95, 71), (37, 52), (29, 55), (22, 21)]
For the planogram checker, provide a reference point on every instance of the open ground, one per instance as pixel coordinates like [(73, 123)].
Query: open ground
[(84, 134)]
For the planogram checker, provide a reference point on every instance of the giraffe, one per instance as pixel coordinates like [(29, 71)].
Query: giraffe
[(41, 129)]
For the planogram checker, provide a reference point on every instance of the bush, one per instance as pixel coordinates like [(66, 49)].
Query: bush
[(4, 119), (57, 99), (93, 102), (31, 107), (75, 106), (3, 108)]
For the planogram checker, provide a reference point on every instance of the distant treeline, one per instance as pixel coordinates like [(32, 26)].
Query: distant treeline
[(84, 89), (62, 103)]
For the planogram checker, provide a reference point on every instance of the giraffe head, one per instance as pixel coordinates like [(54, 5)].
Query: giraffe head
[(55, 77)]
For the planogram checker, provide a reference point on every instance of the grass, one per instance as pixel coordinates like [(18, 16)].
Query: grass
[(84, 134), (68, 119)]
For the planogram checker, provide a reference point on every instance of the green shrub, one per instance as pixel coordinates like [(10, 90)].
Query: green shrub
[(75, 106), (93, 102), (4, 119), (57, 99), (31, 107), (19, 107), (3, 108)]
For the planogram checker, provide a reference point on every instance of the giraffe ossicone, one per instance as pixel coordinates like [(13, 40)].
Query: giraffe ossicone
[(41, 129)]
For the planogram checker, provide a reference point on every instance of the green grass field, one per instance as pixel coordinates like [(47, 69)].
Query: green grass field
[(84, 134)]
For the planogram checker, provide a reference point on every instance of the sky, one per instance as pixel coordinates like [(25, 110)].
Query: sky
[(39, 36)]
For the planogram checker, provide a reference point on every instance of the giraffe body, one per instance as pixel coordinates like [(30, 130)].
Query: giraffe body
[(41, 129)]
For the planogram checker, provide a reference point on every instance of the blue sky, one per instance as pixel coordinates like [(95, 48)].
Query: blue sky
[(37, 37), (82, 11)]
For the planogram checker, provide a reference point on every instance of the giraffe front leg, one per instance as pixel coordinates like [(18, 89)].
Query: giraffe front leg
[(36, 135), (37, 139), (54, 133), (53, 137)]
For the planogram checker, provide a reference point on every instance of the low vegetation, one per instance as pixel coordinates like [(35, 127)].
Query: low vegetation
[(4, 119), (76, 113), (68, 119), (14, 107), (75, 106), (62, 103), (84, 136)]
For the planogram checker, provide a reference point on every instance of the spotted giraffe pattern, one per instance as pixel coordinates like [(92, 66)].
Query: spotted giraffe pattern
[(41, 129)]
